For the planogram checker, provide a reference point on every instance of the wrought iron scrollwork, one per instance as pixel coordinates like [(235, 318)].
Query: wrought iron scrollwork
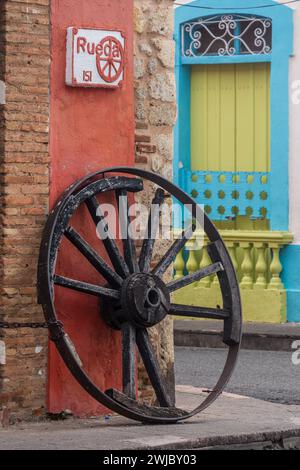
[(227, 35)]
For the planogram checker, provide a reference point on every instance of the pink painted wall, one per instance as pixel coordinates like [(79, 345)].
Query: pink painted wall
[(89, 129)]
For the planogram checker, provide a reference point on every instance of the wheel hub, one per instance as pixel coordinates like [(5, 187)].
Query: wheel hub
[(145, 300)]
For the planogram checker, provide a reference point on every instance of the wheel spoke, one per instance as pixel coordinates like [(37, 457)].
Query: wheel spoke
[(114, 67), (94, 259), (230, 292), (105, 66), (128, 360), (108, 241), (196, 276), (85, 287), (152, 367), (173, 251), (151, 231), (198, 312), (128, 242)]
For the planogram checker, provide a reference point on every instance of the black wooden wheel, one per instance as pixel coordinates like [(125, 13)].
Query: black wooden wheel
[(135, 297)]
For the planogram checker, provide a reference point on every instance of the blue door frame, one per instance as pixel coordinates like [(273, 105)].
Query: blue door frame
[(282, 48)]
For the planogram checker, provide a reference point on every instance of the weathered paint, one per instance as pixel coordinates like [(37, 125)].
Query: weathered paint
[(90, 129)]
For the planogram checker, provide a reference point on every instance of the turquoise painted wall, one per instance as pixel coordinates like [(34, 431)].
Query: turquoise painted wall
[(290, 258)]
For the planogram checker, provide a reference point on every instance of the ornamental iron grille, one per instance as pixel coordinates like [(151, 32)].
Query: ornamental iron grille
[(226, 195), (227, 35)]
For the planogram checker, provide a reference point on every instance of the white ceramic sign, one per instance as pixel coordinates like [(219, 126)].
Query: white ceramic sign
[(95, 58)]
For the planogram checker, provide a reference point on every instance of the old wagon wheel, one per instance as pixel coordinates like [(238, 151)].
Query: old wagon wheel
[(135, 296)]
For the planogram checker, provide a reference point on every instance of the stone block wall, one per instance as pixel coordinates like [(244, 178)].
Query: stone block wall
[(155, 92), (155, 112)]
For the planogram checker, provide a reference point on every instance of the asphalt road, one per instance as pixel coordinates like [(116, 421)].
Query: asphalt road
[(266, 375)]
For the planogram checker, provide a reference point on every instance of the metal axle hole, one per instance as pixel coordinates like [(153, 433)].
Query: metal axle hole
[(153, 298)]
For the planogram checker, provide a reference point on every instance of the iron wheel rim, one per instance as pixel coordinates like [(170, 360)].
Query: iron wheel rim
[(45, 294)]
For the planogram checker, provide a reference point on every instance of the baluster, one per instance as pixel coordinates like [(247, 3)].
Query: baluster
[(268, 258), (246, 266), (205, 261), (232, 251), (192, 264), (179, 265), (261, 267), (275, 269)]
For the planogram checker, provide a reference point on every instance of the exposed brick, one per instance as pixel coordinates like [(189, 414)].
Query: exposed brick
[(24, 202), (142, 138), (18, 200), (145, 148), (141, 159), (141, 125), (24, 174)]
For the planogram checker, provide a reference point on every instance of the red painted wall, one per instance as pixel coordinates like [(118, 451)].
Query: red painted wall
[(89, 129)]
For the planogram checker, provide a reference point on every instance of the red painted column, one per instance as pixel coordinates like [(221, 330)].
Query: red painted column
[(89, 129)]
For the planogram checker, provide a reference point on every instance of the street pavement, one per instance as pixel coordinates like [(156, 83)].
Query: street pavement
[(231, 420), (267, 375), (235, 420)]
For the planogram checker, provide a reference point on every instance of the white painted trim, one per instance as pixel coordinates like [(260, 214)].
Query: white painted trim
[(294, 159)]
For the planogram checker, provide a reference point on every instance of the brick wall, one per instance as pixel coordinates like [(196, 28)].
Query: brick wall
[(24, 165), (24, 42), (2, 100)]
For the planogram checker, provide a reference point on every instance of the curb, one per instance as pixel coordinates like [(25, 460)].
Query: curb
[(209, 339), (286, 439), (194, 334)]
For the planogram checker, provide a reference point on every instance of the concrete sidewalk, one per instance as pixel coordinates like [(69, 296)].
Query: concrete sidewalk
[(232, 420), (262, 336)]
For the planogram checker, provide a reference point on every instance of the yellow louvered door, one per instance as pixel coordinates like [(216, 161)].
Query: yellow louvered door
[(230, 123)]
